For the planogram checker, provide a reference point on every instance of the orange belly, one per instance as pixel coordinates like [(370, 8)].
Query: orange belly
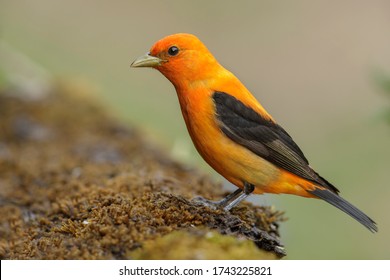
[(233, 161)]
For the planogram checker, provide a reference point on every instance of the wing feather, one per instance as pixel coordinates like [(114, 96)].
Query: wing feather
[(263, 137)]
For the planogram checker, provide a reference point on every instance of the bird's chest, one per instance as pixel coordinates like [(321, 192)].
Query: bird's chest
[(199, 116), (233, 161)]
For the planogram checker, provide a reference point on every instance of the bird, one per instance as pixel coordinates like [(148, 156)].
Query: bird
[(233, 132)]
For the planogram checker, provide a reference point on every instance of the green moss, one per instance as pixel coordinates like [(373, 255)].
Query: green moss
[(200, 244)]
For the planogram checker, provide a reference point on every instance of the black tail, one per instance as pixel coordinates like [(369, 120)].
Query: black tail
[(347, 207)]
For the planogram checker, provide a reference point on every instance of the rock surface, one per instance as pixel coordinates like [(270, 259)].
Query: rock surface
[(76, 184)]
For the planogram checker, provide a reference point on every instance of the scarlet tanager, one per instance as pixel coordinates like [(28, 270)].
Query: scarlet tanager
[(233, 132)]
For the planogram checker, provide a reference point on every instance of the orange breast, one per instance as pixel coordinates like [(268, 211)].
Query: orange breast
[(233, 161)]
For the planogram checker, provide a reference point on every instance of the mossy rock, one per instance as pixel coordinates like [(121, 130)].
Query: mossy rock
[(77, 184), (200, 245)]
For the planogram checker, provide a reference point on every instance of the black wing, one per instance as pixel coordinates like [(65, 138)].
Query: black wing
[(263, 137)]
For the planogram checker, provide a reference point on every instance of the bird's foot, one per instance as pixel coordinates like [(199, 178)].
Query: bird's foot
[(206, 202), (229, 201)]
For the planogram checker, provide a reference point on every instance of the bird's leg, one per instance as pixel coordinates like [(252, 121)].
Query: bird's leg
[(248, 189), (230, 200), (217, 204), (222, 203)]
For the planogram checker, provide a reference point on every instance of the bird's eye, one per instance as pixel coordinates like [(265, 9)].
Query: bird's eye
[(172, 51)]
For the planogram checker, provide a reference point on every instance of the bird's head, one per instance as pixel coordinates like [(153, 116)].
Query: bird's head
[(179, 57)]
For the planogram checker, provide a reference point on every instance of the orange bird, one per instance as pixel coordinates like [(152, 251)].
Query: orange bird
[(232, 131)]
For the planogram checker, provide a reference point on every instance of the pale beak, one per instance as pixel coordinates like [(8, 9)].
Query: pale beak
[(147, 60)]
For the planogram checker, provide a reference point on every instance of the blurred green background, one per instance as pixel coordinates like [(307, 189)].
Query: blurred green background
[(313, 64)]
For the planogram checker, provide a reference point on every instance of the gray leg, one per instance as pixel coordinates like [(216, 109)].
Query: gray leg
[(220, 203), (229, 201), (248, 189)]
